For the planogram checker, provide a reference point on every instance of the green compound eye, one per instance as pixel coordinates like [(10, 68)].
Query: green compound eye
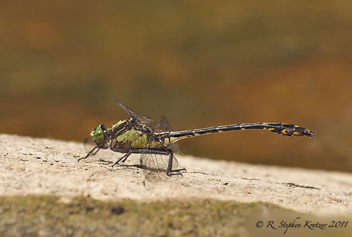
[(98, 133)]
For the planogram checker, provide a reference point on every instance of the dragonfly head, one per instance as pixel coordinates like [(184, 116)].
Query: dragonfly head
[(98, 134)]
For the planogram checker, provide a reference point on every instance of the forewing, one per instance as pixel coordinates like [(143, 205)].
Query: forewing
[(133, 113)]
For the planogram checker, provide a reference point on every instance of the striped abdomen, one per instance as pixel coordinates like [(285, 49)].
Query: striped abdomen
[(278, 128)]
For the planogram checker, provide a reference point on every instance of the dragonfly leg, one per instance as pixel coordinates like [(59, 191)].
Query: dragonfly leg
[(123, 159), (92, 152), (169, 171)]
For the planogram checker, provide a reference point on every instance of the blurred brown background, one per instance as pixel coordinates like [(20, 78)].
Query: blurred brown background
[(199, 63)]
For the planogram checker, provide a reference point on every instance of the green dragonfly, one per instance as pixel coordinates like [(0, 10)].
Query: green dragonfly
[(136, 136)]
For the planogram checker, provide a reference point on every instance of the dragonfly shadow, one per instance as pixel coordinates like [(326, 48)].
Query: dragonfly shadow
[(140, 166)]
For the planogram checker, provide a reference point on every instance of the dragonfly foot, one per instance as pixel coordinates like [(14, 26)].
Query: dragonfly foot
[(81, 159), (116, 163), (175, 172)]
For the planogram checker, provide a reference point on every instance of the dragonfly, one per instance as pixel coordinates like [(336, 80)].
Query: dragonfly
[(135, 135)]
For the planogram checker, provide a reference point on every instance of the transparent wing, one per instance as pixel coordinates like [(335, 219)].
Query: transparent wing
[(154, 166), (157, 162), (163, 125), (133, 113)]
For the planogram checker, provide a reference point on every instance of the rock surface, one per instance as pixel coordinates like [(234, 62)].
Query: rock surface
[(49, 167)]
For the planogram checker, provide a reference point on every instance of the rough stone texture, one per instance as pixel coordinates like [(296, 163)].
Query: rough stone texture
[(50, 167)]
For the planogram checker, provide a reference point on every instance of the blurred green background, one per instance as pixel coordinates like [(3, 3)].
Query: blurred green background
[(199, 63)]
